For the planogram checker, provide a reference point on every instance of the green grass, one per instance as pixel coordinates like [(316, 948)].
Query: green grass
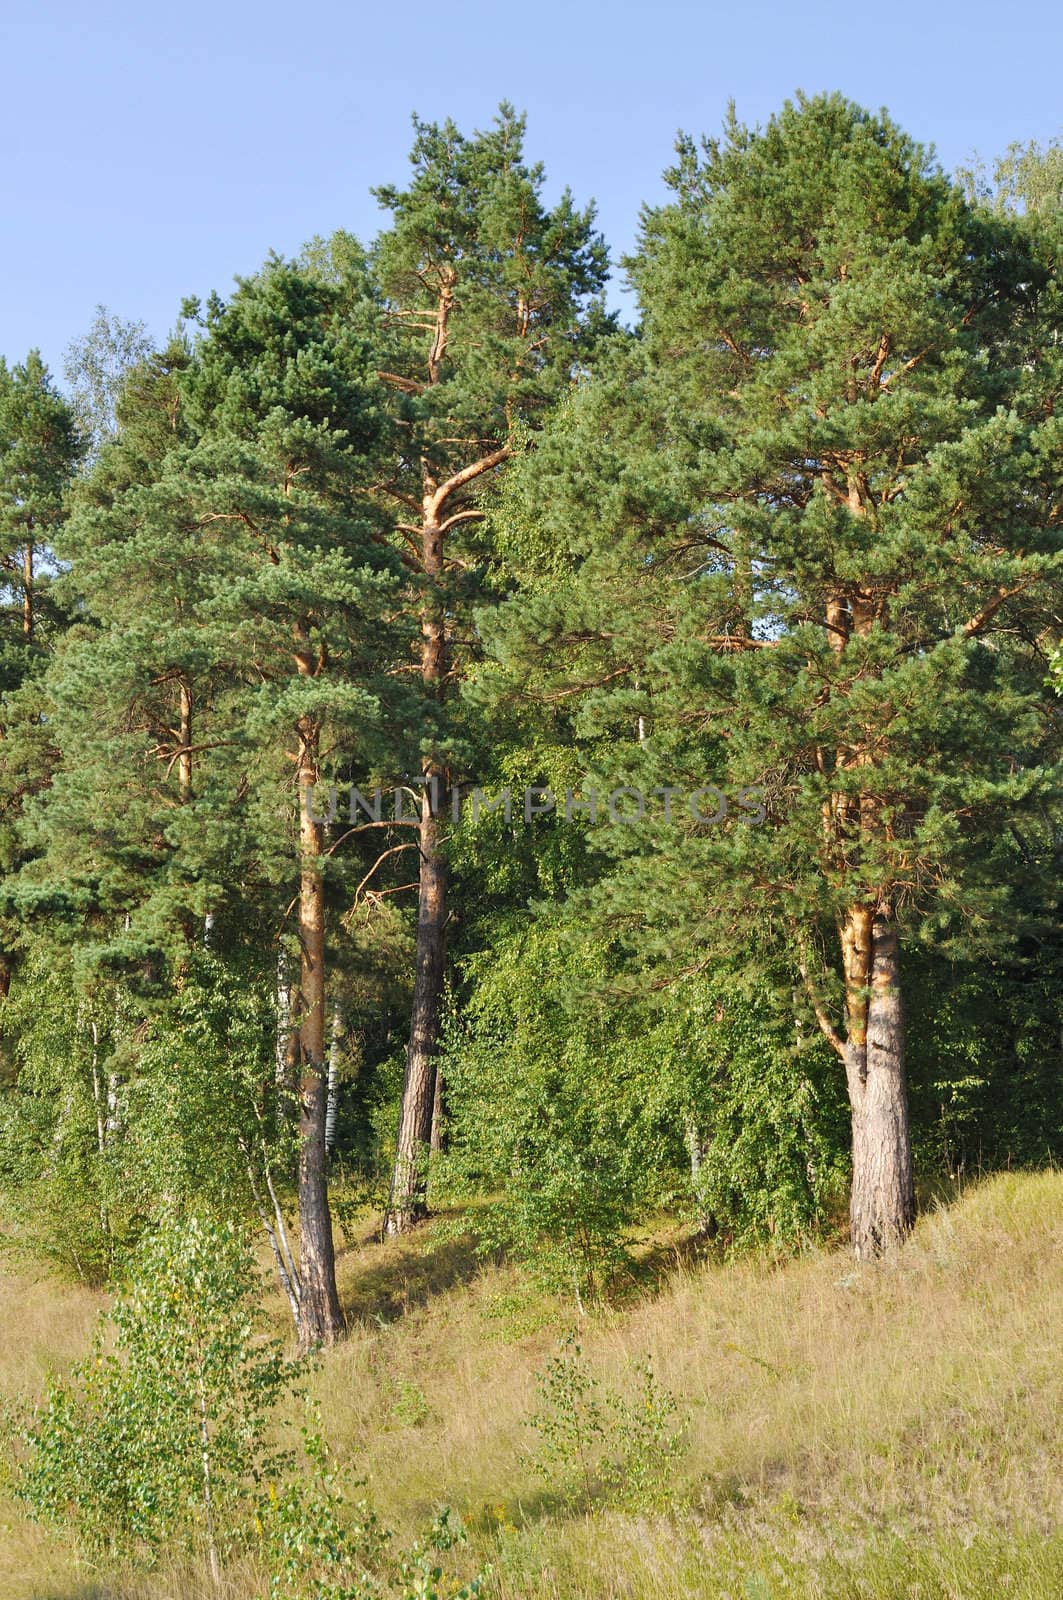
[(890, 1430)]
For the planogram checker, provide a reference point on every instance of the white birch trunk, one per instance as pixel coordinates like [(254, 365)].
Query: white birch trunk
[(334, 1055)]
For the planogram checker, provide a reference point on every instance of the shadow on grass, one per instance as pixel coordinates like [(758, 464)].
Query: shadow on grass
[(656, 1260), (546, 1501), (383, 1282), (653, 1262), (89, 1591)]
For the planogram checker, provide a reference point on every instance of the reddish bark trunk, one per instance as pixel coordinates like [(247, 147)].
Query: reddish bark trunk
[(184, 758), (27, 589), (407, 1201)]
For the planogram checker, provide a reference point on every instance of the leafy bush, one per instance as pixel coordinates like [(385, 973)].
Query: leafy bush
[(164, 1437), (59, 1174), (576, 1111), (320, 1547), (118, 1110), (597, 1441), (545, 1117)]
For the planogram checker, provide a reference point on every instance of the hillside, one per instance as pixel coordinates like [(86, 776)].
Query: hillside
[(876, 1430)]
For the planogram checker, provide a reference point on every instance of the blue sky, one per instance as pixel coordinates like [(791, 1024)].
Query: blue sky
[(150, 152)]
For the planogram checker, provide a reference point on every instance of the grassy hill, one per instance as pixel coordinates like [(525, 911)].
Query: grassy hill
[(893, 1430)]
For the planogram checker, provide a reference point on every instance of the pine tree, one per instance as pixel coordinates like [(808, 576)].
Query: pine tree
[(121, 684), (237, 592), (39, 451), (489, 299), (291, 437), (813, 533)]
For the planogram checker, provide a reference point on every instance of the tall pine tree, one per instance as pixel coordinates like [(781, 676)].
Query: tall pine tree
[(815, 543), (489, 299), (40, 448), (238, 592)]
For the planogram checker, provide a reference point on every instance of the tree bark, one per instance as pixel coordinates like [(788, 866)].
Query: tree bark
[(407, 1201), (882, 1199), (287, 1045), (27, 589), (334, 1053), (438, 1139), (184, 758), (208, 1491), (320, 1318), (289, 1279)]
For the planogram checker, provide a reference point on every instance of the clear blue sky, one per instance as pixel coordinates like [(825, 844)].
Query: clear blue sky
[(153, 151)]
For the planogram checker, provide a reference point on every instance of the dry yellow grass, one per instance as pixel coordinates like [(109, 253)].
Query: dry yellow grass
[(879, 1431), (45, 1328)]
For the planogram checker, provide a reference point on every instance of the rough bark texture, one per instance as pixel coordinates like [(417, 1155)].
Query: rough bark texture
[(407, 1201), (27, 589), (882, 1201), (320, 1317), (438, 1140), (184, 757)]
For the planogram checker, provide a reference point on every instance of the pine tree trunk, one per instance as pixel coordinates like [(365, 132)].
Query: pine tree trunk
[(882, 1201), (184, 755), (319, 1309), (407, 1200), (882, 1198), (27, 589), (406, 1204)]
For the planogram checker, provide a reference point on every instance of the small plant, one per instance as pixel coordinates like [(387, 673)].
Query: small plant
[(411, 1408), (318, 1546), (314, 1544), (571, 1421), (600, 1441), (420, 1573), (163, 1437), (650, 1441)]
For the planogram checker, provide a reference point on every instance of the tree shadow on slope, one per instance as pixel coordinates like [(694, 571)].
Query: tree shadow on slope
[(382, 1282), (655, 1259), (87, 1591)]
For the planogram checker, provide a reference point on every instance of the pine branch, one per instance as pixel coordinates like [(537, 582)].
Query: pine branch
[(467, 474), (827, 1028)]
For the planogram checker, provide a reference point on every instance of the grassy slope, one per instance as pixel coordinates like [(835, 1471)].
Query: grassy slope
[(883, 1431)]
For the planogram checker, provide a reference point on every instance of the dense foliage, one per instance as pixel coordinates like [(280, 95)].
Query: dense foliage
[(643, 711)]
